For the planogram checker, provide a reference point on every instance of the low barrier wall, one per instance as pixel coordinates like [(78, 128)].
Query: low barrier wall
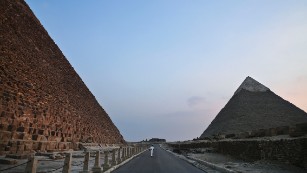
[(103, 161), (289, 150), (297, 130)]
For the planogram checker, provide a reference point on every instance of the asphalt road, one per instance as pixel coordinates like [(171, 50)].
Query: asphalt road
[(161, 162)]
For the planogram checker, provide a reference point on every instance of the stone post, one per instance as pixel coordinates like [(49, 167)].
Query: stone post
[(118, 156), (106, 165), (123, 154), (132, 151), (128, 152), (31, 165), (67, 163), (97, 167), (86, 163), (113, 162)]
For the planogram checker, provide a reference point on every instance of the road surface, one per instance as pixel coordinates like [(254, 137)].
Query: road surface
[(161, 162)]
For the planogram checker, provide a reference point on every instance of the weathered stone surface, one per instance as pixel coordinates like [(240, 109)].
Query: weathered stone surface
[(254, 107), (42, 98), (8, 161), (289, 150)]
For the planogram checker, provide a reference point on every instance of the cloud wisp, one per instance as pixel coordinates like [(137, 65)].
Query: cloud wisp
[(195, 101)]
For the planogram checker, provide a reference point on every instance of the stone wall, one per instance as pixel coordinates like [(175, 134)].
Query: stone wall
[(289, 150), (44, 104), (296, 130)]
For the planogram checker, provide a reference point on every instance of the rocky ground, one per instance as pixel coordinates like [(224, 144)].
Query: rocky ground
[(236, 165)]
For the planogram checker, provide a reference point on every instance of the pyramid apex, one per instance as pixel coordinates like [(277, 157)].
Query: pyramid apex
[(252, 85)]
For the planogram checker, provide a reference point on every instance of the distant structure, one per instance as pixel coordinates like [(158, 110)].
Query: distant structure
[(158, 140), (254, 106), (44, 104)]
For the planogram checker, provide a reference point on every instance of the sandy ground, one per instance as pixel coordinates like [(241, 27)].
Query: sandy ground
[(262, 166)]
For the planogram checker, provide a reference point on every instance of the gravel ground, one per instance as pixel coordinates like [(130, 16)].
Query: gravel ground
[(262, 166)]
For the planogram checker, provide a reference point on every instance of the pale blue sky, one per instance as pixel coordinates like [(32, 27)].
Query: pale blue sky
[(165, 68)]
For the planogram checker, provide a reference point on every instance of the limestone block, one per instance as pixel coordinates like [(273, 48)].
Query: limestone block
[(3, 125), (20, 148), (42, 138), (283, 130), (271, 132), (5, 135), (13, 149), (42, 146), (301, 127), (35, 145), (28, 146), (61, 145), (26, 136), (51, 145), (11, 127)]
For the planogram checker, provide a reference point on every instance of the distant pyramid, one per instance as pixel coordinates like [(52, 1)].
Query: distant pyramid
[(254, 106)]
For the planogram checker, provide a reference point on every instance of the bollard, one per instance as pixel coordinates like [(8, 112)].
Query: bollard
[(131, 152), (31, 165), (86, 163), (124, 153), (67, 163), (106, 165), (97, 167), (118, 156), (113, 162), (128, 152)]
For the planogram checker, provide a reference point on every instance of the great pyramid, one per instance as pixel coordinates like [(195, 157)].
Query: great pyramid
[(44, 104), (254, 106)]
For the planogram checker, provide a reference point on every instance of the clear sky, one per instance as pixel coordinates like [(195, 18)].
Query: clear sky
[(165, 68)]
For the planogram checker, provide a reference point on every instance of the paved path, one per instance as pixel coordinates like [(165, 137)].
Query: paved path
[(161, 162)]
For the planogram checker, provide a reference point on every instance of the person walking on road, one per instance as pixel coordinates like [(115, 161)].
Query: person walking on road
[(151, 150)]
